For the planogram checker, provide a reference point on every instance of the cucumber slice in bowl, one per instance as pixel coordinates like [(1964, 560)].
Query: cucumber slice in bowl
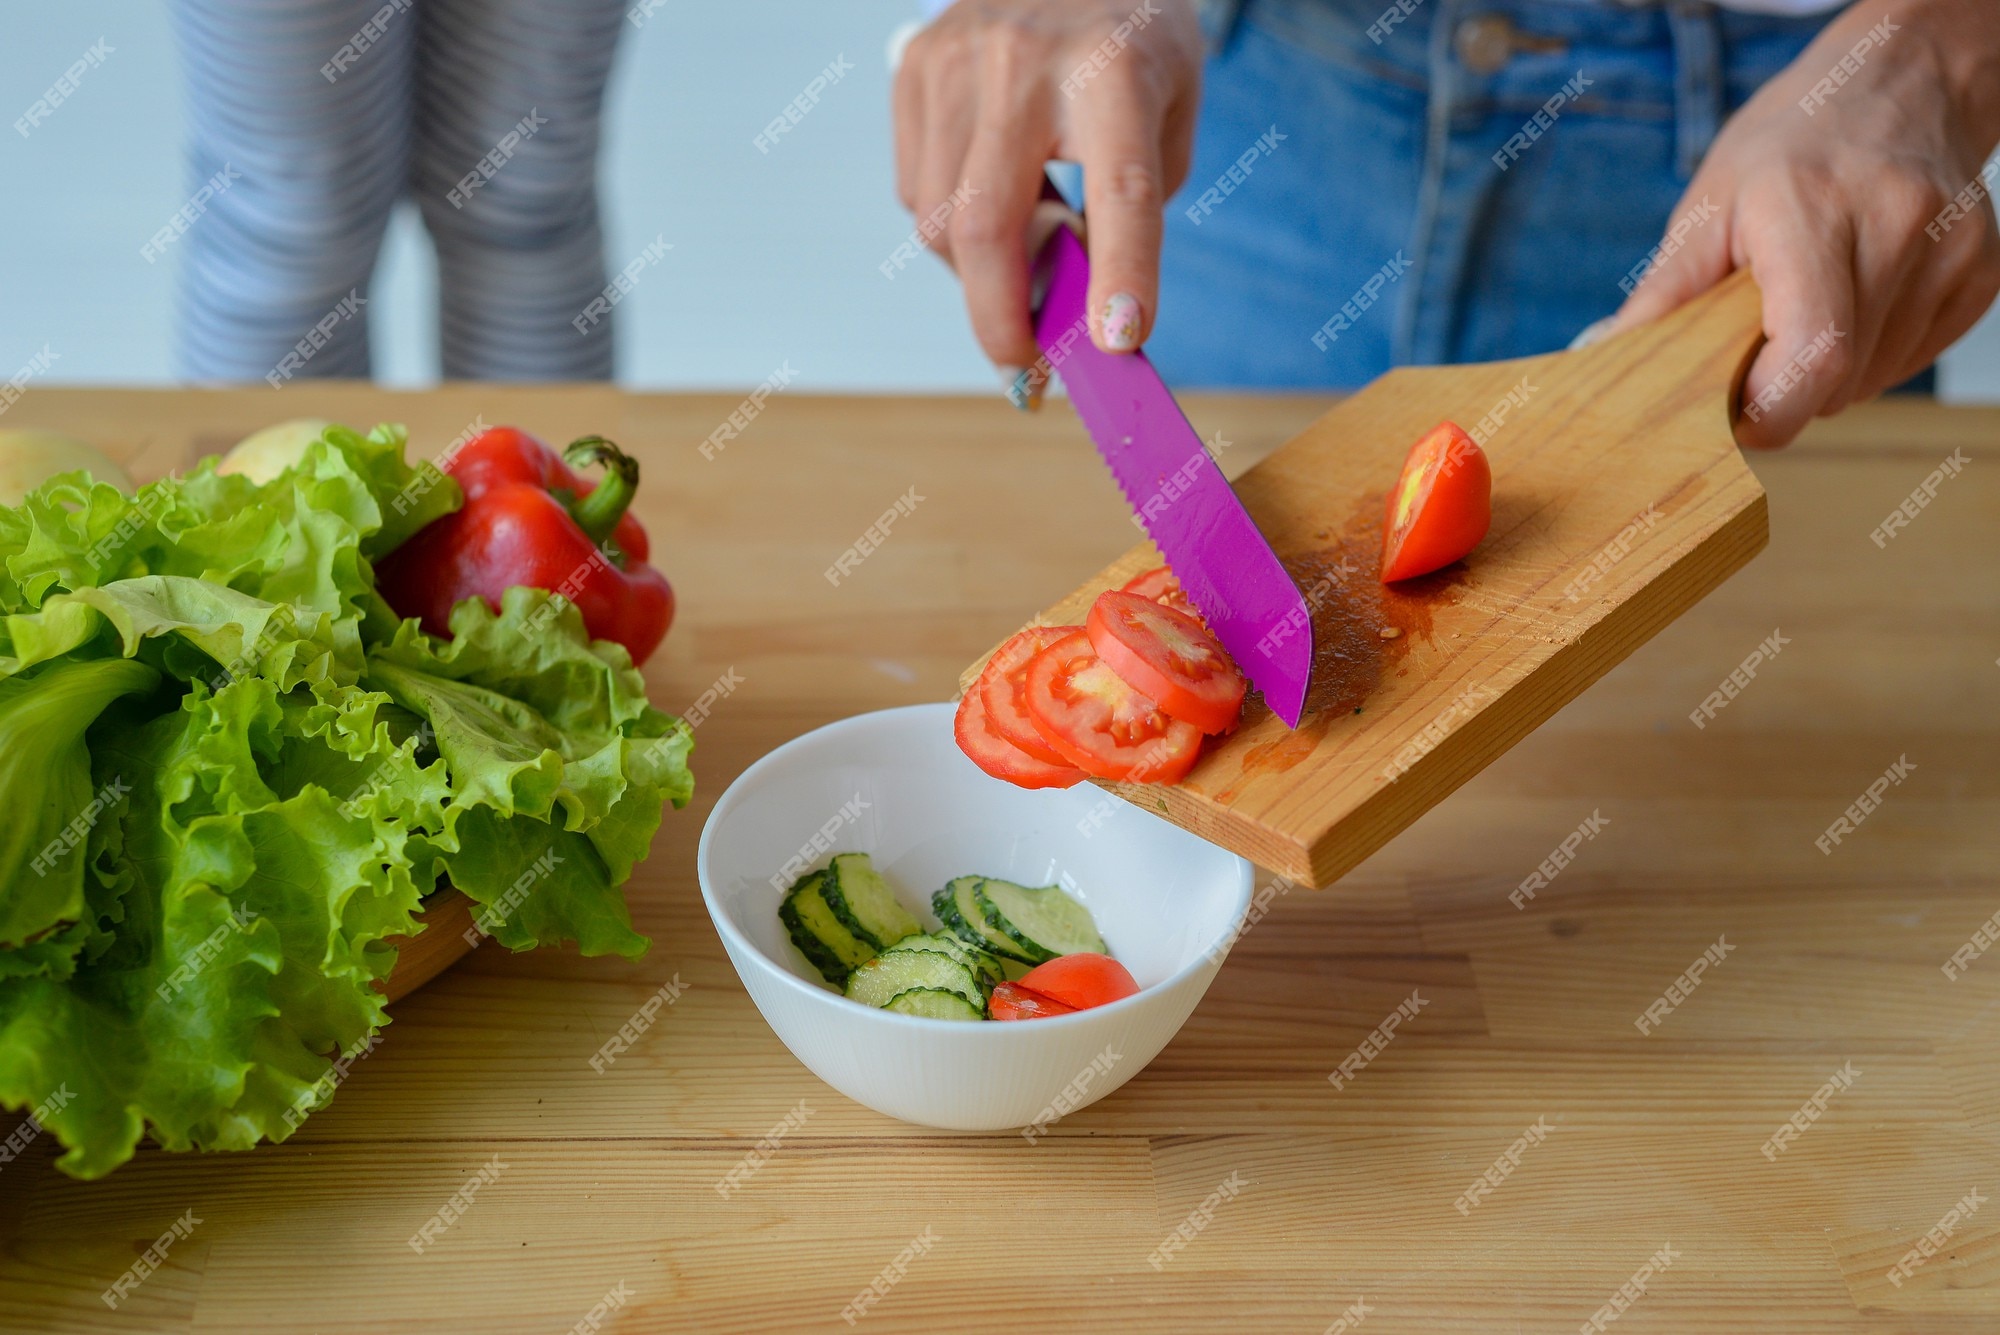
[(944, 904), (985, 967), (818, 934), (1042, 921), (933, 1004), (881, 979), (957, 907), (864, 903)]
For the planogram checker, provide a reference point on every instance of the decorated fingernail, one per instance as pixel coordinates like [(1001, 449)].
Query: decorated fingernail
[(1592, 332), (1023, 386), (1121, 322)]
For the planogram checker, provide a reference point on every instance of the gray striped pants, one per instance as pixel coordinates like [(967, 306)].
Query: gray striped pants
[(320, 114)]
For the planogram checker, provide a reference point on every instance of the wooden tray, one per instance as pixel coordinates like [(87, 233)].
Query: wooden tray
[(1620, 500), (440, 945)]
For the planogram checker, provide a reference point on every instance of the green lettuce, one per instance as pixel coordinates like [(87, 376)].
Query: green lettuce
[(238, 775), (45, 767)]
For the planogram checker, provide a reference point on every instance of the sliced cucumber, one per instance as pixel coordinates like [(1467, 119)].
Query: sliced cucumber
[(944, 905), (820, 937), (957, 907), (933, 1004), (864, 903), (878, 981), (1043, 921), (986, 968)]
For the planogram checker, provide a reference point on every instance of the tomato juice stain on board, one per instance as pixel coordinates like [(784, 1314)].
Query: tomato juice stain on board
[(1289, 749), (1362, 629), (1361, 626), (1407, 604)]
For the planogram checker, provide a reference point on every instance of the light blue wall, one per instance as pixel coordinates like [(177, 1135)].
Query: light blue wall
[(774, 254)]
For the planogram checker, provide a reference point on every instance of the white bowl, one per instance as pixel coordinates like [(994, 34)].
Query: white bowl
[(894, 785)]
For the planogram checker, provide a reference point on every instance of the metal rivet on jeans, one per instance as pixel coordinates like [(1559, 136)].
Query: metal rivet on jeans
[(1486, 42)]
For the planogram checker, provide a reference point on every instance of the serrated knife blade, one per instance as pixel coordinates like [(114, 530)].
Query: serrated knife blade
[(1176, 490)]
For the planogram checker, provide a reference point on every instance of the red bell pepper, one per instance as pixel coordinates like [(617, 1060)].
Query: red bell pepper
[(529, 519)]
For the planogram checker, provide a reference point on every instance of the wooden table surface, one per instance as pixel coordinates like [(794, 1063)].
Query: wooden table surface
[(1344, 1196)]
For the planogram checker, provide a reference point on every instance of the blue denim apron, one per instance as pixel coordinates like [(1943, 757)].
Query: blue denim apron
[(1473, 185)]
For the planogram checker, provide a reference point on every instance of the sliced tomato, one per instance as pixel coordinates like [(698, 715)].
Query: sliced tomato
[(1004, 681), (1011, 1001), (1082, 980), (1099, 723), (1000, 757), (1441, 507), (1155, 583), (1169, 657), (1160, 585)]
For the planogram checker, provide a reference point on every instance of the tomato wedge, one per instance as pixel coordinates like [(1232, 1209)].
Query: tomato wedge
[(1169, 657), (1082, 980), (1099, 723), (1441, 507), (1011, 1001), (1003, 683), (1161, 586), (1000, 757)]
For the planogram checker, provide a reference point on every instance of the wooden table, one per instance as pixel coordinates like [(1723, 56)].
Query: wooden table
[(1347, 1195)]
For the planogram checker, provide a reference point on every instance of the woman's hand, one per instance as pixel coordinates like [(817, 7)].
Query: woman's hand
[(991, 91), (1832, 194)]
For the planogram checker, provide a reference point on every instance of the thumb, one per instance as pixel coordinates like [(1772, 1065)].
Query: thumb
[(1692, 256)]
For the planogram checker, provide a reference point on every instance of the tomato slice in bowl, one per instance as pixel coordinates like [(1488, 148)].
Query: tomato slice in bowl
[(1011, 1001), (1441, 507), (1000, 757), (1081, 980), (1099, 723), (1169, 657), (1003, 684)]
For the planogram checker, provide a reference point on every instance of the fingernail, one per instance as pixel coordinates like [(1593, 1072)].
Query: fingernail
[(1023, 386), (1592, 332), (1121, 322)]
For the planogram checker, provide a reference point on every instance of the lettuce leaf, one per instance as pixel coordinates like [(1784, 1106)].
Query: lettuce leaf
[(550, 737), (292, 768), (45, 766)]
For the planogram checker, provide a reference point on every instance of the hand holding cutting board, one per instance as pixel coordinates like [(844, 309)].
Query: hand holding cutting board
[(1840, 205)]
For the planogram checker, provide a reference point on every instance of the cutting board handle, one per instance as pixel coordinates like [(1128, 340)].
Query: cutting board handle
[(1728, 319)]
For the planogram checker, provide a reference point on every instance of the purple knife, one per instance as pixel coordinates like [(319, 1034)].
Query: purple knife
[(1177, 491)]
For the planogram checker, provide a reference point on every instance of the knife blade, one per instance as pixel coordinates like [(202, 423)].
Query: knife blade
[(1176, 490)]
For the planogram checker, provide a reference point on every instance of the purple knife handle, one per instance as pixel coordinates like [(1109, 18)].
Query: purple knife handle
[(1176, 490)]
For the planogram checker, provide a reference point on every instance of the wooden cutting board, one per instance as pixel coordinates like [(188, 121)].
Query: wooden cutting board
[(1619, 501)]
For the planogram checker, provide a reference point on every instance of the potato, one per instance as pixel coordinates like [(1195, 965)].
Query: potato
[(30, 458), (262, 455)]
